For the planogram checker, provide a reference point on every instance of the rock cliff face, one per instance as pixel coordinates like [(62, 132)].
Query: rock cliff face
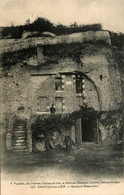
[(102, 68), (89, 53), (90, 36)]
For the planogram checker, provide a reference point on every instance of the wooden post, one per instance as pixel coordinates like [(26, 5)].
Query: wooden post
[(97, 126), (73, 133), (78, 132)]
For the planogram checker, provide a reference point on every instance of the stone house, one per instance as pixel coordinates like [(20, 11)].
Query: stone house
[(68, 71)]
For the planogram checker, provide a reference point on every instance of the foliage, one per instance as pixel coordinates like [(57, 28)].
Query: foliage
[(113, 123), (117, 39), (11, 58), (12, 32), (73, 28), (43, 24), (47, 124)]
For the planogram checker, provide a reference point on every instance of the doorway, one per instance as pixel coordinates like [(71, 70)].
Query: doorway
[(89, 129)]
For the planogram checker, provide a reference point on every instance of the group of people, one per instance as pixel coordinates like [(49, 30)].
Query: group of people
[(42, 143)]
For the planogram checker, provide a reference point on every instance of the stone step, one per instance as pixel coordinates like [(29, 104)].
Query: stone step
[(20, 137), (20, 140), (14, 139), (19, 133), (16, 132), (19, 143), (19, 130), (17, 139), (23, 144), (19, 124), (20, 147), (20, 127)]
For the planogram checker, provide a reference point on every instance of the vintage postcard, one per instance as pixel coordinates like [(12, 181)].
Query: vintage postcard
[(62, 97)]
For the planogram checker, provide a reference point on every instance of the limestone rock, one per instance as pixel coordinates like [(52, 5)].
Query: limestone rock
[(89, 36), (48, 34), (27, 34)]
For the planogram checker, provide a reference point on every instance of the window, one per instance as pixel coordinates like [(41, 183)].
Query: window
[(68, 83), (42, 104), (78, 84), (59, 106), (58, 83)]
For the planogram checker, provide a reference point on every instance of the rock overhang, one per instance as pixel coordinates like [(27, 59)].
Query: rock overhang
[(80, 37)]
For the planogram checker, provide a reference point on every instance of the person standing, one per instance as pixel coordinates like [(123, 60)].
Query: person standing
[(52, 109)]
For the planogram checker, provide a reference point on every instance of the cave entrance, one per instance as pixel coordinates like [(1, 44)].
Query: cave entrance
[(89, 129), (89, 125)]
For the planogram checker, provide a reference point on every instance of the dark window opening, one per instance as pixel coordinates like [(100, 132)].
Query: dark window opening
[(101, 77), (58, 83), (78, 84), (89, 128)]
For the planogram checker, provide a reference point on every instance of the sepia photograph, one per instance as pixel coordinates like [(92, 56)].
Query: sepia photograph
[(62, 97)]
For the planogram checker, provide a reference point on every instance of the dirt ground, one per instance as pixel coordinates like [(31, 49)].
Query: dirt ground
[(90, 161)]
